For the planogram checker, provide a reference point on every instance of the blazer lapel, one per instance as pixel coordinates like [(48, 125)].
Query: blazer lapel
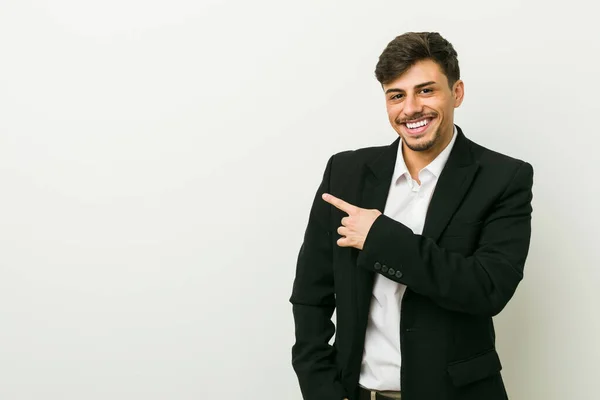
[(452, 185), (377, 177)]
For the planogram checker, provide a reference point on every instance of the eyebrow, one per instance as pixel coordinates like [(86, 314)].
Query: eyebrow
[(417, 87)]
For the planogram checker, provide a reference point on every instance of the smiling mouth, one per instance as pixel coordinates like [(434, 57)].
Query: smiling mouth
[(419, 126)]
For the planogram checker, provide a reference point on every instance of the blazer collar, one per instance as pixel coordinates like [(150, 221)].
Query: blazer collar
[(382, 165), (452, 185)]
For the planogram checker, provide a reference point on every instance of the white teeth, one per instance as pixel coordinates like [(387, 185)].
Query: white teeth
[(418, 124)]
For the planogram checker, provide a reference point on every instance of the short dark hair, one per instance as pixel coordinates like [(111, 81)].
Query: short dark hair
[(407, 49)]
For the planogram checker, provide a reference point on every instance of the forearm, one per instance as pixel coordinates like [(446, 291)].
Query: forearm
[(313, 358), (481, 283), (313, 300)]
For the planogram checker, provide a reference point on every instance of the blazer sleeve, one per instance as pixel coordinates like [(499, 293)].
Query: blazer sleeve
[(480, 284), (313, 303)]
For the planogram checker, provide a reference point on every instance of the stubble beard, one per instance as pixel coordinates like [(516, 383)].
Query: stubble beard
[(424, 146)]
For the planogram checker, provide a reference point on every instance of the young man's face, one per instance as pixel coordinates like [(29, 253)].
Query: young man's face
[(420, 106)]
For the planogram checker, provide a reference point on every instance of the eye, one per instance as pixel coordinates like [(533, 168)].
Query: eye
[(427, 90), (397, 96)]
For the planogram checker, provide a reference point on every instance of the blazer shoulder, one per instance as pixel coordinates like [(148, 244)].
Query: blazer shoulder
[(358, 156), (490, 158), (346, 167)]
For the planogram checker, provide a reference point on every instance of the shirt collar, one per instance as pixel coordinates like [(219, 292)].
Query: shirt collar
[(435, 167)]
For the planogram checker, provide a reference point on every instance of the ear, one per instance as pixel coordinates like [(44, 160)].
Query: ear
[(458, 91)]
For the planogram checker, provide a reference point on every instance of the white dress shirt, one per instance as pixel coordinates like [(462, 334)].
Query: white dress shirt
[(407, 202)]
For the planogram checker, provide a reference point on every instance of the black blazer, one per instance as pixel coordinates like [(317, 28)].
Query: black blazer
[(459, 273)]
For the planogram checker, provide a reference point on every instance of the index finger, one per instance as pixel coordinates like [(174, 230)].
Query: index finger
[(339, 203)]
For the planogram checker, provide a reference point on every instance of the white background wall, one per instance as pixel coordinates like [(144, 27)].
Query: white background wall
[(158, 160)]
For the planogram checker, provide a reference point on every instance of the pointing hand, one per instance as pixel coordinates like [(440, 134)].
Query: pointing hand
[(356, 225)]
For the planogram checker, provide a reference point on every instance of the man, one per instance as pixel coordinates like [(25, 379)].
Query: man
[(416, 245)]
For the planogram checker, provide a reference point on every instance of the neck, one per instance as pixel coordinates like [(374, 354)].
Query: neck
[(417, 160)]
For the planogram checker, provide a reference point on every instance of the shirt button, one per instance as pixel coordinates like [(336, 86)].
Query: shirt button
[(398, 274), (392, 271), (377, 266), (384, 268)]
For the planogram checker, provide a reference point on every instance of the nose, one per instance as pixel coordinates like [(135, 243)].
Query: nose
[(412, 106)]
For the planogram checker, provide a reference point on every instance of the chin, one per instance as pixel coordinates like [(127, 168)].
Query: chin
[(422, 142)]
